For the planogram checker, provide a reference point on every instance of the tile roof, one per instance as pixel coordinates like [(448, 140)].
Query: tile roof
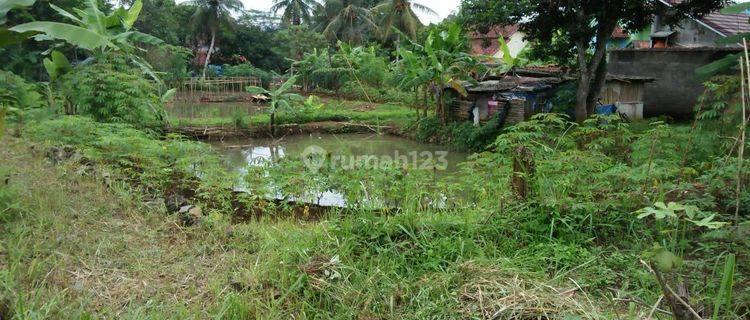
[(727, 24), (619, 33)]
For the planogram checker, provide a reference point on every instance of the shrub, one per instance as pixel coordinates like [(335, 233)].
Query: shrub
[(20, 99), (248, 70), (460, 135), (156, 164), (109, 90)]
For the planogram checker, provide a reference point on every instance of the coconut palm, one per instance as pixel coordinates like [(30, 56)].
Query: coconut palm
[(211, 14), (399, 14), (344, 20), (295, 11)]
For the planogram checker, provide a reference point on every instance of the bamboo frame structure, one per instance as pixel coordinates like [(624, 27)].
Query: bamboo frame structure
[(221, 89)]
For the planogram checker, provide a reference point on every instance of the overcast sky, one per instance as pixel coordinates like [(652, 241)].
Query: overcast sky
[(442, 7)]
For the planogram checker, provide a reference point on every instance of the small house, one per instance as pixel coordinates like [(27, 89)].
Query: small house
[(510, 98), (703, 32)]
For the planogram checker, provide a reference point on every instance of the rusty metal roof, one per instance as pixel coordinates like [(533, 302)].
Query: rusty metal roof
[(516, 83)]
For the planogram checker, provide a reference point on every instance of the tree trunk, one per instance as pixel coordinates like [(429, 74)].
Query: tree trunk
[(440, 103), (425, 101), (582, 95), (592, 73), (272, 124), (584, 82), (524, 169), (598, 66), (600, 77), (416, 101), (210, 51)]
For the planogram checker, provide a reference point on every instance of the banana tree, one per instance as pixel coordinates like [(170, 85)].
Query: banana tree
[(97, 32), (510, 63), (414, 74), (279, 98), (447, 65), (7, 37)]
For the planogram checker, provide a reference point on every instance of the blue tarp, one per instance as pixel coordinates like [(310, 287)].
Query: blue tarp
[(606, 110)]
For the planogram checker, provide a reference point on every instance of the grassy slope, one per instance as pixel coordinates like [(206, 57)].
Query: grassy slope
[(77, 246), (74, 247)]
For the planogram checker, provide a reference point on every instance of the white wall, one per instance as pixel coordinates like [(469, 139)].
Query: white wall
[(515, 44)]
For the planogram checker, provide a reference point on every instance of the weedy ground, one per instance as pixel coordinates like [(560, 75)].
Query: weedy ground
[(79, 245), (86, 235)]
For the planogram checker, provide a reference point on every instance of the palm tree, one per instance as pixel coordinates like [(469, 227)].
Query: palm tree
[(295, 11), (344, 20), (210, 14), (399, 14)]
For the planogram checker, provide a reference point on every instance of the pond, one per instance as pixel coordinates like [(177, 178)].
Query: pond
[(343, 150)]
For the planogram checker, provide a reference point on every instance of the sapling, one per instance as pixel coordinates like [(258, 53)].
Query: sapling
[(279, 98)]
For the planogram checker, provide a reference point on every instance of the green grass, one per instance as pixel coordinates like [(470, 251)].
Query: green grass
[(75, 242), (75, 248), (332, 110)]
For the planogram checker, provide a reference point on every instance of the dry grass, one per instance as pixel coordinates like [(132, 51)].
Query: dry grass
[(102, 249), (506, 294)]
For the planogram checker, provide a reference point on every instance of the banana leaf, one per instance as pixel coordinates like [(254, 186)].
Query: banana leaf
[(74, 35)]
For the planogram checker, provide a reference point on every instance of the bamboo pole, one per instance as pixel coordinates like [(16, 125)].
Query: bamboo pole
[(744, 67)]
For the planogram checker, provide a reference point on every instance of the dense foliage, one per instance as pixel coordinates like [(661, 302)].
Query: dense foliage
[(109, 90)]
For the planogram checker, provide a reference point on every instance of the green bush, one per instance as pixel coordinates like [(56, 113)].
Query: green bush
[(157, 164), (459, 135), (20, 99), (109, 90), (248, 70)]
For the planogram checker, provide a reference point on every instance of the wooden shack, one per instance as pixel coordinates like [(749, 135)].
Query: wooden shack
[(512, 98), (627, 93)]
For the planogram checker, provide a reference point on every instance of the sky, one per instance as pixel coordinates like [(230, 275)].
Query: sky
[(443, 8)]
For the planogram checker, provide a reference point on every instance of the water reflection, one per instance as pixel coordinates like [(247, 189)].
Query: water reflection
[(211, 110), (256, 152)]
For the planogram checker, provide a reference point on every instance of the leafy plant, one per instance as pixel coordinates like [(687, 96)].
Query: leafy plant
[(444, 63), (280, 98), (510, 62), (6, 36), (110, 90), (20, 99), (97, 32), (213, 14), (93, 30)]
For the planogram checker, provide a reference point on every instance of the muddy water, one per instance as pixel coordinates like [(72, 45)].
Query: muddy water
[(343, 149)]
